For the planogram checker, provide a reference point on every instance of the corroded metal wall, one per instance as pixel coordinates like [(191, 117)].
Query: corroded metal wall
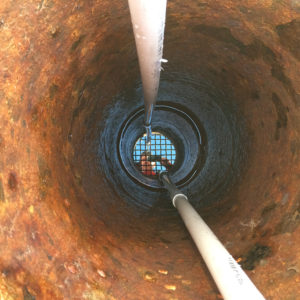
[(64, 231)]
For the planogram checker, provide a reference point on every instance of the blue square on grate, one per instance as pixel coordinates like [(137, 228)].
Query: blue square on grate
[(158, 156)]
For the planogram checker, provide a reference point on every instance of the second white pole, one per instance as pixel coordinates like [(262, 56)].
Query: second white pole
[(231, 280)]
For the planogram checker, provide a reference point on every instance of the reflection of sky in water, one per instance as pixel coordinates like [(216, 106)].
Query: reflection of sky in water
[(160, 146)]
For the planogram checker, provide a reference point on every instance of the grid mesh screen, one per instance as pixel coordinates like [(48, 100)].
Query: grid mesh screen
[(151, 159)]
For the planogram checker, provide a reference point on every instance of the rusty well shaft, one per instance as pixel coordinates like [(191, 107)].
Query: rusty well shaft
[(65, 230)]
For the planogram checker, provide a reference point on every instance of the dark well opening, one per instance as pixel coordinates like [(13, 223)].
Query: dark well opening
[(73, 223)]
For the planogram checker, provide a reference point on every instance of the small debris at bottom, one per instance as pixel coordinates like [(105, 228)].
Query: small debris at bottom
[(149, 276), (164, 272), (101, 273), (170, 287)]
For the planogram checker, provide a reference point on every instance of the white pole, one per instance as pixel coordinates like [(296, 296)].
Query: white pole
[(148, 21), (231, 280)]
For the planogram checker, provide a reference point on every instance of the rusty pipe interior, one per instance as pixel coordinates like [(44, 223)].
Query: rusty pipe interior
[(69, 75)]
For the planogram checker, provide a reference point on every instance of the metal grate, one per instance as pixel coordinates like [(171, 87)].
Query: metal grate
[(159, 155)]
